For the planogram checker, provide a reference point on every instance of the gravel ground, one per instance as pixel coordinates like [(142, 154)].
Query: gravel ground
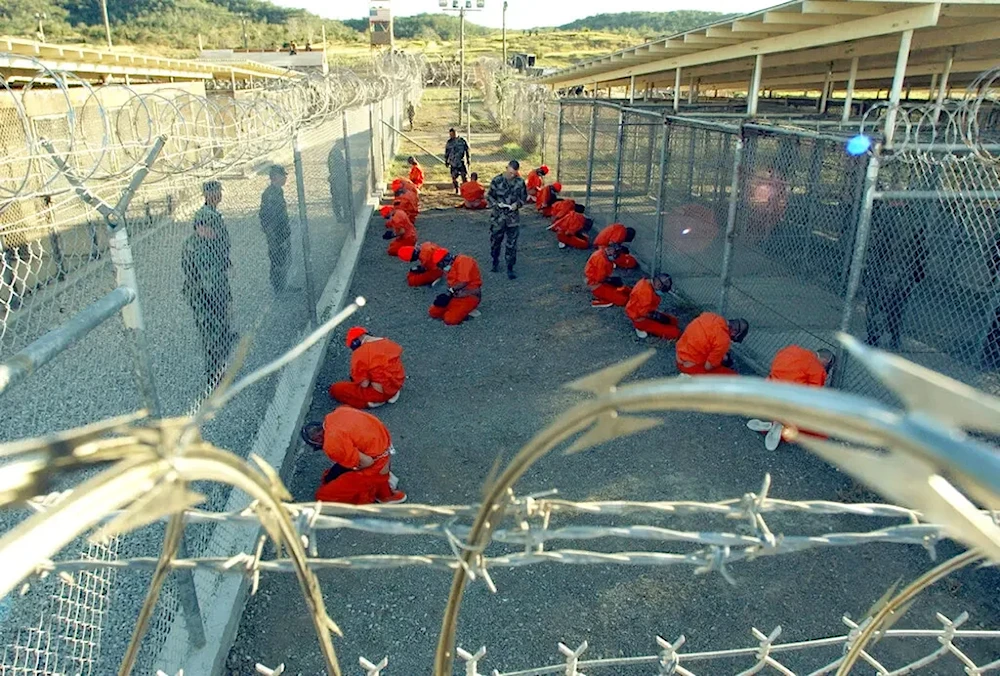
[(481, 390)]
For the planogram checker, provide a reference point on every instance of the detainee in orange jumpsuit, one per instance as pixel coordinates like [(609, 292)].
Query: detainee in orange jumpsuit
[(361, 448), (794, 364), (399, 228), (571, 230), (465, 285), (703, 348), (643, 309), (401, 183), (563, 207), (473, 194), (534, 181), (607, 290), (616, 233), (416, 175), (548, 196), (377, 372), (425, 272), (408, 201)]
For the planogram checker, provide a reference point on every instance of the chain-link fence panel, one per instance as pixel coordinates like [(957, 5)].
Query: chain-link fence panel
[(638, 181), (574, 146), (216, 238), (550, 138), (929, 288), (793, 240), (602, 165), (696, 196)]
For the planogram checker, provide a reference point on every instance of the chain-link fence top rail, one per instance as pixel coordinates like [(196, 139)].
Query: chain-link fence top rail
[(925, 441), (198, 293)]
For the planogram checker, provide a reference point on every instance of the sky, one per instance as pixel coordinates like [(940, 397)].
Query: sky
[(525, 13)]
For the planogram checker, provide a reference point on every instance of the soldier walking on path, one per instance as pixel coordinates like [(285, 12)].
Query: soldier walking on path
[(506, 196), (205, 263), (456, 155), (274, 221)]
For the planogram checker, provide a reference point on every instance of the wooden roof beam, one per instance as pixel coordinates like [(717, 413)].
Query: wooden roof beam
[(695, 39), (741, 27), (799, 19), (921, 16), (847, 8)]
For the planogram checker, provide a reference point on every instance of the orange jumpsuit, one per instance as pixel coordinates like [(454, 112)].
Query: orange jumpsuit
[(615, 234), (546, 198), (379, 362), (403, 183), (417, 176), (642, 307), (568, 229), (430, 272), (473, 194), (596, 272), (464, 279), (705, 340), (347, 433), (534, 184), (410, 203), (560, 209), (401, 225), (794, 364)]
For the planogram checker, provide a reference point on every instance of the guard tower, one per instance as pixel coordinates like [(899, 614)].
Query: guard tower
[(380, 24)]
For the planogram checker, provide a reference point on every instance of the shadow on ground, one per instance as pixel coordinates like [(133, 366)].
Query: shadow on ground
[(481, 390)]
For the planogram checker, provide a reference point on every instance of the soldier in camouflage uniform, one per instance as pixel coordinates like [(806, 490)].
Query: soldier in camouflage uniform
[(205, 263), (274, 221), (507, 194)]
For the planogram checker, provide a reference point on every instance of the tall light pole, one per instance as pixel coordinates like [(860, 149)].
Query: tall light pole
[(41, 16), (107, 23), (504, 33), (461, 6), (243, 20)]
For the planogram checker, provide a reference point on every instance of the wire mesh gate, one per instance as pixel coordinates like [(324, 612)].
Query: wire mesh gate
[(214, 253), (786, 229)]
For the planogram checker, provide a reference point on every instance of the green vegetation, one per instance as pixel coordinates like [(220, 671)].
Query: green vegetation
[(173, 27), (651, 23), (170, 24)]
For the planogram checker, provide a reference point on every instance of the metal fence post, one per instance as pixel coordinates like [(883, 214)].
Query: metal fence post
[(300, 189), (559, 142), (727, 251), (861, 240), (590, 156), (350, 180), (121, 256), (660, 193), (544, 120), (371, 149), (690, 171), (618, 164)]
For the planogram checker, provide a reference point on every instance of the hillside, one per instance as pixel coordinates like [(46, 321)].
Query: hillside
[(172, 24), (651, 23)]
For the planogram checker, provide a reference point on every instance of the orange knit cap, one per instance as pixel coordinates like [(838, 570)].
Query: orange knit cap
[(354, 333)]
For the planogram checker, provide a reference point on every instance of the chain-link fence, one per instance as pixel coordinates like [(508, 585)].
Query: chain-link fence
[(228, 237), (772, 224)]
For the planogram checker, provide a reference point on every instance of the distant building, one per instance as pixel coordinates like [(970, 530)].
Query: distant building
[(303, 60), (380, 24)]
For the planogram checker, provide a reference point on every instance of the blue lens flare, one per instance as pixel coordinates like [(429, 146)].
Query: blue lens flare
[(858, 145)]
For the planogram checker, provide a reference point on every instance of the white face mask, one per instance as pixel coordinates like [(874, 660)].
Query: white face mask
[(447, 267), (660, 293)]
